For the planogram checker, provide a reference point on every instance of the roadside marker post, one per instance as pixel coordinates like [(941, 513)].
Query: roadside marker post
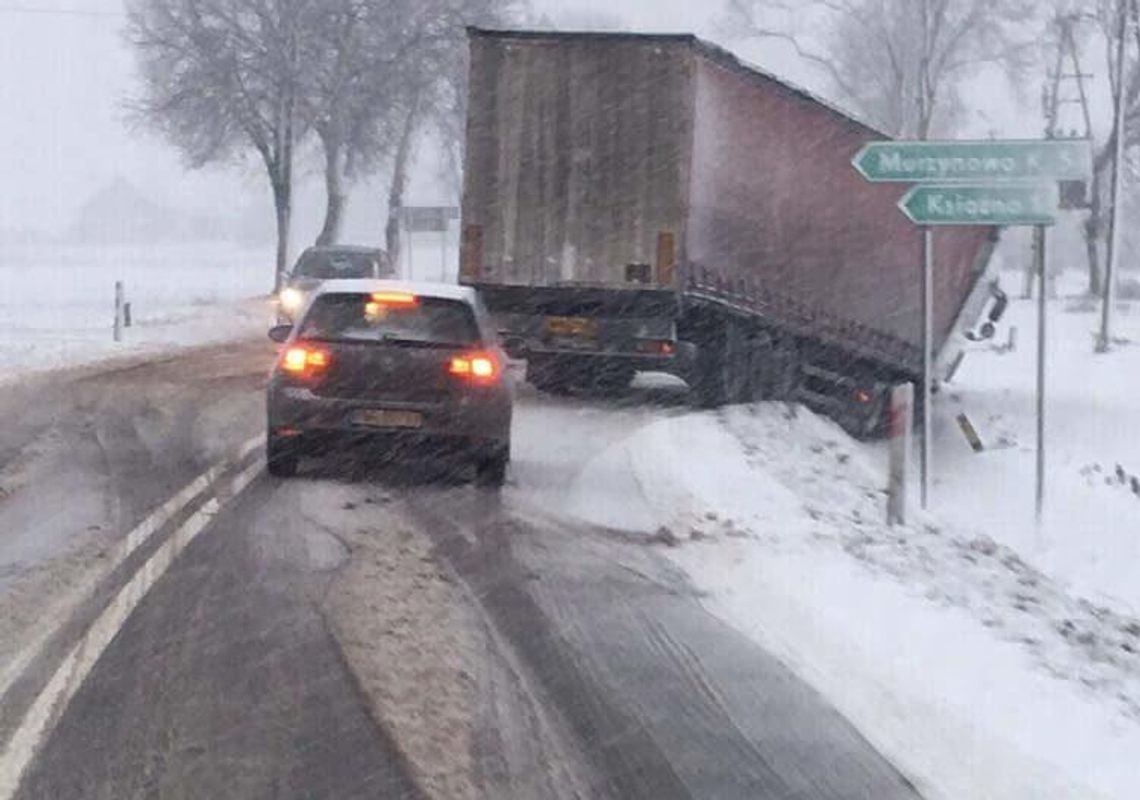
[(901, 423), (987, 182), (971, 433), (117, 330)]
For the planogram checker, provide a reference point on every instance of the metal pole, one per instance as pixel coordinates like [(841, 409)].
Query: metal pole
[(1104, 341), (927, 358), (1040, 235)]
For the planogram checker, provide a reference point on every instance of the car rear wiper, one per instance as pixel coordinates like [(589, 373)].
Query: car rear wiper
[(392, 339), (405, 342)]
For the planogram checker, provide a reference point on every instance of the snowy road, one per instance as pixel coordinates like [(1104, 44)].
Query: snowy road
[(363, 635)]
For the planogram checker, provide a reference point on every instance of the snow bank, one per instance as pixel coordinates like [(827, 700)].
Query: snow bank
[(671, 473), (978, 674)]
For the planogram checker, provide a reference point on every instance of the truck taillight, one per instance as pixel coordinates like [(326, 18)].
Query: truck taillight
[(304, 361), (477, 367), (657, 347), (471, 256), (666, 258)]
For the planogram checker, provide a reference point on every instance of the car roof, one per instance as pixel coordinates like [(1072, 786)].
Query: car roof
[(444, 291), (345, 248)]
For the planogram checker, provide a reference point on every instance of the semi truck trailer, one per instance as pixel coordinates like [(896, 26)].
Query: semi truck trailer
[(650, 202)]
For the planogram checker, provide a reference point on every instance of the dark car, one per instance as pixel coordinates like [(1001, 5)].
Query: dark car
[(334, 262), (404, 367)]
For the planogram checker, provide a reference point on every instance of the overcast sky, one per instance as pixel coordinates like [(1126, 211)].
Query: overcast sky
[(64, 78)]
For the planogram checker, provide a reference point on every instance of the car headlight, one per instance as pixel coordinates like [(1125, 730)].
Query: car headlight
[(291, 300)]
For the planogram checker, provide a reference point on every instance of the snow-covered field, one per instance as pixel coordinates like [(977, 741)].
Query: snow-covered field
[(1090, 537), (57, 302), (986, 658)]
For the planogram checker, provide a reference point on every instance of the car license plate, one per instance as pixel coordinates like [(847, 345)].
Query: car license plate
[(389, 418), (578, 327)]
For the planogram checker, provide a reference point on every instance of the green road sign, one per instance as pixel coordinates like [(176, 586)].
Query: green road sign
[(980, 161), (992, 204)]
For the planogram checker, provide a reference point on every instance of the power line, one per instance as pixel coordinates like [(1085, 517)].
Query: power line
[(59, 12)]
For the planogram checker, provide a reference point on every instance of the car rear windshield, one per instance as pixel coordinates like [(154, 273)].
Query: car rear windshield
[(361, 318), (330, 266)]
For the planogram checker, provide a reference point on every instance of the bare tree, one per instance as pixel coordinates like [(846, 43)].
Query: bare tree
[(1105, 14), (369, 52), (434, 91), (901, 63), (221, 77)]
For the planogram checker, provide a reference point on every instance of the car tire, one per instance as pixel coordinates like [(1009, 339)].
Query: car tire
[(492, 472), (282, 457)]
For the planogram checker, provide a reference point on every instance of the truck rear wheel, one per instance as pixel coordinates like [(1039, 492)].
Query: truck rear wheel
[(710, 386), (610, 378), (547, 375)]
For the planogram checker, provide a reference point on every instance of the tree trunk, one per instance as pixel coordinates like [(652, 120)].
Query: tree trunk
[(282, 202), (400, 169), (1094, 224), (334, 188), (1092, 249)]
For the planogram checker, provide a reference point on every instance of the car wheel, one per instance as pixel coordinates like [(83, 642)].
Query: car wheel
[(282, 456), (492, 472)]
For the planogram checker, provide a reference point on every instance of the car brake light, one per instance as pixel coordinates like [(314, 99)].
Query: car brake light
[(304, 361), (395, 299), (481, 367)]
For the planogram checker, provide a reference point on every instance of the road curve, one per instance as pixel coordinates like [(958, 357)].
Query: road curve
[(228, 681)]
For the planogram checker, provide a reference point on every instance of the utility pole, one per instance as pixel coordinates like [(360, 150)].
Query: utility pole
[(1104, 341)]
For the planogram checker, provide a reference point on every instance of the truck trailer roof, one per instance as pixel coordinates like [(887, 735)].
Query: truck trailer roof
[(706, 48)]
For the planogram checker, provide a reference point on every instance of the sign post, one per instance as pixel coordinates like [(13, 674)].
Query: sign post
[(927, 359), (984, 182), (1039, 250), (430, 219)]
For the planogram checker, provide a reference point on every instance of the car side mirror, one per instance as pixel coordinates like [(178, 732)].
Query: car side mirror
[(280, 333)]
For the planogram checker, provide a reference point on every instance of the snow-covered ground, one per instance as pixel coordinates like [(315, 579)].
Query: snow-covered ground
[(986, 658), (1090, 537), (57, 302)]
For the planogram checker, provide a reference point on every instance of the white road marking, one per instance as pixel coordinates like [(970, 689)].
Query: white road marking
[(74, 668), (71, 673), (122, 550)]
